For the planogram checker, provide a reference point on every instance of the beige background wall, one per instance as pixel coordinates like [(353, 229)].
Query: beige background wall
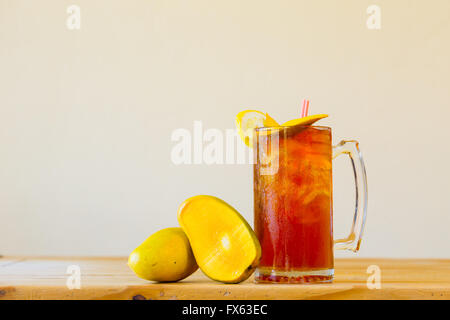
[(86, 116)]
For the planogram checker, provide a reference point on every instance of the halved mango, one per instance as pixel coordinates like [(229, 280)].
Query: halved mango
[(225, 247)]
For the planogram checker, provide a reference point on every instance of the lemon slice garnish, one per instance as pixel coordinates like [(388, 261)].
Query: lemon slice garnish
[(248, 120)]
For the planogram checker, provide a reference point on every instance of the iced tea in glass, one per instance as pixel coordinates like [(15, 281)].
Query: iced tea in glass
[(293, 203)]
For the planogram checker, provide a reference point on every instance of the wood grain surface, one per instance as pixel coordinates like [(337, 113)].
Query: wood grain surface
[(110, 278)]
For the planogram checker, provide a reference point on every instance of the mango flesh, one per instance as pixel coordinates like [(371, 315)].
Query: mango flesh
[(165, 256), (224, 245)]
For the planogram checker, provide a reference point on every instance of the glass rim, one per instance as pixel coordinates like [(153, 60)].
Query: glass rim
[(287, 127)]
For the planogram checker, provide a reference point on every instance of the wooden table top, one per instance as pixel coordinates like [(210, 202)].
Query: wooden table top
[(110, 278)]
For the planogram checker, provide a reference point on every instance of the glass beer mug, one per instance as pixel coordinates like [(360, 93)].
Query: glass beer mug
[(293, 203)]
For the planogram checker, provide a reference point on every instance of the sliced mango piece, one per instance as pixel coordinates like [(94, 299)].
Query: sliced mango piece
[(269, 121), (225, 247), (248, 120), (165, 256), (305, 121)]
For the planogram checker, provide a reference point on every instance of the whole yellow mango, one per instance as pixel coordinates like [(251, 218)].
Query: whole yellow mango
[(165, 256)]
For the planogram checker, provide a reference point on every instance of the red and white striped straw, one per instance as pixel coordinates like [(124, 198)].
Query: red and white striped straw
[(305, 108)]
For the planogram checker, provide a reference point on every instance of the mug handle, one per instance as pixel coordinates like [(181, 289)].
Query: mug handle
[(353, 241)]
